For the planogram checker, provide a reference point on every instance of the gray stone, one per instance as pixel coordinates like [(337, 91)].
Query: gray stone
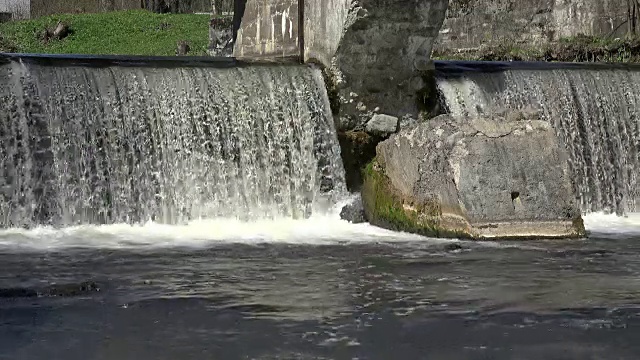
[(353, 212), (382, 125), (483, 177), (383, 55), (474, 23), (454, 247)]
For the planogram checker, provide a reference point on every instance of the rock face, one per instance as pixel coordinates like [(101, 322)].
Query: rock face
[(472, 23), (505, 176), (383, 57)]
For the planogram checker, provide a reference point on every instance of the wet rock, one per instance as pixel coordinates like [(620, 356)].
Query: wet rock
[(64, 290), (482, 177), (71, 289), (454, 247), (382, 125), (353, 212), (9, 293)]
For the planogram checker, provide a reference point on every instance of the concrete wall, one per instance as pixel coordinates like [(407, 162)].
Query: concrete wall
[(269, 29), (324, 26), (472, 23), (382, 58), (20, 9)]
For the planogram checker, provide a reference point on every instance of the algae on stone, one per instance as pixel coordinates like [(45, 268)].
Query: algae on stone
[(384, 207)]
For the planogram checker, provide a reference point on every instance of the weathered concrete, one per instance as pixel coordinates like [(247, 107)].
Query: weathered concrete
[(505, 177), (17, 9), (473, 23), (264, 32), (325, 22), (269, 29), (383, 58)]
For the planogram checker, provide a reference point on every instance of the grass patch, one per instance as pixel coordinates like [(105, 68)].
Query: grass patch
[(135, 32), (574, 49), (6, 45)]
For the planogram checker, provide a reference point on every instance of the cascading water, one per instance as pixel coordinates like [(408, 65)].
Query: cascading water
[(130, 144), (596, 111)]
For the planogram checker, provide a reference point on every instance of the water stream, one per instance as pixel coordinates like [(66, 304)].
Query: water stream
[(129, 144)]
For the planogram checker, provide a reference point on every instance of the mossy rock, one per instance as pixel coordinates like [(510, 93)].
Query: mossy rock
[(384, 207)]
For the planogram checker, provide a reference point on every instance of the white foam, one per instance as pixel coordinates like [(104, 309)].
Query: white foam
[(318, 230), (600, 223)]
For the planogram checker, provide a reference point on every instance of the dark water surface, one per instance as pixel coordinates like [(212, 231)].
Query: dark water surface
[(357, 300)]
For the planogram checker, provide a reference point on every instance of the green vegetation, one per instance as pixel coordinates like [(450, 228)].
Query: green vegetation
[(135, 32), (575, 49), (6, 45), (383, 207)]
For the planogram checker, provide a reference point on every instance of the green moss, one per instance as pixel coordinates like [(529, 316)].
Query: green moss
[(578, 226), (384, 208), (135, 32), (574, 49)]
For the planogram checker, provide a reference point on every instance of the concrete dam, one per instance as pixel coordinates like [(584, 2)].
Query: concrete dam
[(100, 142), (108, 140)]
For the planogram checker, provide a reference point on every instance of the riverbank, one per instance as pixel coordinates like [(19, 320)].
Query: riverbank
[(135, 32)]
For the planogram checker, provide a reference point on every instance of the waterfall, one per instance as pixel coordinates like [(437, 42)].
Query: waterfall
[(595, 110), (83, 144)]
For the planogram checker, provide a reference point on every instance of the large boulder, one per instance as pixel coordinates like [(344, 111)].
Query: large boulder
[(500, 176)]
